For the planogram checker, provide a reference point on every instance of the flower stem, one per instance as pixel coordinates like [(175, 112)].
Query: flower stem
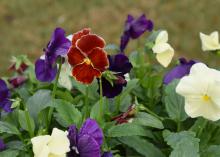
[(101, 100), (152, 113), (87, 102), (205, 122), (30, 129), (54, 92), (178, 126)]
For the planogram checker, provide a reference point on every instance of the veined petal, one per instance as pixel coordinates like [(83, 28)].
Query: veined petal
[(88, 42), (99, 59), (59, 143), (85, 73), (40, 147), (75, 56), (162, 37)]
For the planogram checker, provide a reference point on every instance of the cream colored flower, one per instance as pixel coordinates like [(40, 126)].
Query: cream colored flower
[(64, 79), (201, 89), (56, 145), (164, 52), (210, 42)]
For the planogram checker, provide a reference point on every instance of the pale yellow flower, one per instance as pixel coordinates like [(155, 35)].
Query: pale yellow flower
[(201, 89), (210, 42), (164, 52), (56, 145)]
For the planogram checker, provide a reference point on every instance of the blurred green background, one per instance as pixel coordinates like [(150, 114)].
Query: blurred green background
[(26, 25)]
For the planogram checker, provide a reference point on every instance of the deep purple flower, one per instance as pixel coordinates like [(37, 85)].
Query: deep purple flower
[(46, 69), (87, 142), (5, 95), (120, 65), (179, 71), (107, 154), (2, 145), (134, 28), (17, 81)]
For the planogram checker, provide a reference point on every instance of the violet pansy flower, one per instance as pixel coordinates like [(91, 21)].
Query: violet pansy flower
[(134, 28), (119, 64), (2, 145), (179, 71), (5, 96), (46, 69), (107, 154), (87, 141)]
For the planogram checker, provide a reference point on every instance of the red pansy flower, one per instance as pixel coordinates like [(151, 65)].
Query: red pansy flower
[(87, 56)]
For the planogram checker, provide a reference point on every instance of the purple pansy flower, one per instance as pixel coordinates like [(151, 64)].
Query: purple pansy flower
[(179, 71), (5, 95), (2, 145), (87, 142), (134, 28), (107, 154), (46, 69), (120, 65)]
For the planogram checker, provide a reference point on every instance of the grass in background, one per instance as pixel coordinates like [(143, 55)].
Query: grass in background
[(26, 25)]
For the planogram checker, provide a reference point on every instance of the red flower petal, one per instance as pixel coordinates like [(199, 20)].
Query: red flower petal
[(79, 34), (88, 42), (85, 73), (75, 56), (99, 59)]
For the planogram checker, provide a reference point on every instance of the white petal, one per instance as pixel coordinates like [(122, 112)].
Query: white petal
[(40, 147), (59, 143), (70, 37), (210, 42), (162, 47), (64, 79), (198, 107), (162, 37)]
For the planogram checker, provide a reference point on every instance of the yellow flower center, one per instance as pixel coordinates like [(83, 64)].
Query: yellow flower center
[(87, 61), (206, 97)]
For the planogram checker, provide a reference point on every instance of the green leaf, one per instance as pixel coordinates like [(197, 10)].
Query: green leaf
[(132, 84), (184, 143), (67, 114), (142, 146), (8, 128), (94, 114), (146, 119), (18, 145), (174, 102), (212, 151), (9, 153), (38, 102), (127, 129), (23, 121)]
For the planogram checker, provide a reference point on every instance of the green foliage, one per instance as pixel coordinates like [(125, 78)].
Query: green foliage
[(8, 128), (184, 143), (174, 102)]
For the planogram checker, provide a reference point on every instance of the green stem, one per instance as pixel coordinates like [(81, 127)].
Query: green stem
[(118, 100), (178, 126), (101, 100), (152, 113), (27, 117), (54, 92), (87, 102), (201, 128)]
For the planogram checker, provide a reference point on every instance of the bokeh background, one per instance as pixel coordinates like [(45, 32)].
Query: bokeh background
[(26, 25)]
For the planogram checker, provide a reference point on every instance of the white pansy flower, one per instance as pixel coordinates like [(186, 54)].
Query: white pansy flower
[(164, 52), (201, 89), (64, 79), (210, 42), (56, 145)]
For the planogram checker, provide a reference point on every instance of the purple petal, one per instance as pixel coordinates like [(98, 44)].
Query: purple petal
[(91, 128), (73, 135), (124, 41), (139, 26), (2, 145), (119, 63), (179, 71), (45, 72), (107, 154), (5, 95), (58, 45), (111, 91), (88, 147)]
